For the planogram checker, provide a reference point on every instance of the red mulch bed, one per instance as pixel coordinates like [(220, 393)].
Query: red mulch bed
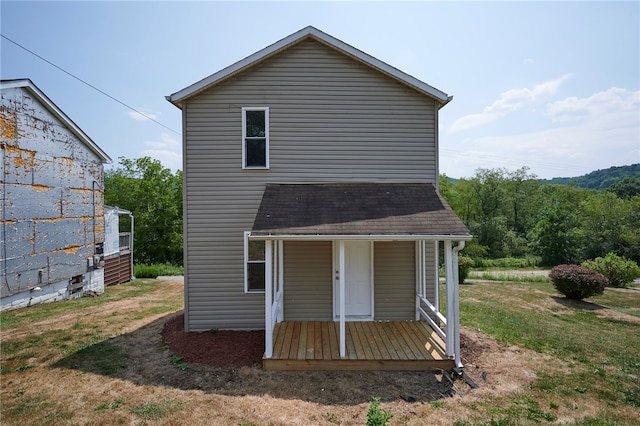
[(234, 349), (222, 348)]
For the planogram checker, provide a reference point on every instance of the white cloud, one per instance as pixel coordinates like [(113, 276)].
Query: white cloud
[(509, 101), (167, 150), (142, 115), (596, 132), (528, 61), (615, 101)]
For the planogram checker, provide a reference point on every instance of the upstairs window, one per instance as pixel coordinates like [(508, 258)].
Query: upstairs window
[(255, 138)]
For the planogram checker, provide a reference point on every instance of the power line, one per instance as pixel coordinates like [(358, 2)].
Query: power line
[(499, 159), (90, 85)]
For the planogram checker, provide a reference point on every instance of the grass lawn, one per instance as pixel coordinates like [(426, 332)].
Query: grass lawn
[(597, 340), (101, 361)]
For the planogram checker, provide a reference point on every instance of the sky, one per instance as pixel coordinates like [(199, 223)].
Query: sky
[(552, 86)]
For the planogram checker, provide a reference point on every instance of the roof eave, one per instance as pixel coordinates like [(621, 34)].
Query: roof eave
[(59, 114), (370, 237)]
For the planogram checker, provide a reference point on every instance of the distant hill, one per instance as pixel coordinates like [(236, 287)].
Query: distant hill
[(599, 179)]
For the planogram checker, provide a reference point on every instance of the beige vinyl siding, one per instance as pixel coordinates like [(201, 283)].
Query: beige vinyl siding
[(332, 119), (395, 282), (308, 281)]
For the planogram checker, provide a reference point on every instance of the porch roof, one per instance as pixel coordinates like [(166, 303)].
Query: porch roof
[(403, 210)]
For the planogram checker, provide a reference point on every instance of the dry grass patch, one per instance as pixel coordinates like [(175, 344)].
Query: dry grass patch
[(103, 361)]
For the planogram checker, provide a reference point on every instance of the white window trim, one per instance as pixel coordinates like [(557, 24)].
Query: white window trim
[(246, 265), (244, 136)]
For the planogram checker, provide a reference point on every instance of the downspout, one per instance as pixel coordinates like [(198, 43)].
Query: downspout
[(456, 303)]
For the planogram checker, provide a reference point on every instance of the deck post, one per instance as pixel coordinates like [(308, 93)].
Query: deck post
[(343, 343), (451, 299), (268, 299)]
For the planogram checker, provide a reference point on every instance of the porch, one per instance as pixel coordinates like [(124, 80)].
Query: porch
[(386, 345)]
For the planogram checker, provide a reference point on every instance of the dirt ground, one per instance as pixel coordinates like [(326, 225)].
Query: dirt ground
[(208, 378)]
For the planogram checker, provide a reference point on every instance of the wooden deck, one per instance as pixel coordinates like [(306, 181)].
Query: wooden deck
[(388, 345)]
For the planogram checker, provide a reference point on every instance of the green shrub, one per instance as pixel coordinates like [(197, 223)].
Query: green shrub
[(529, 261), (620, 271), (142, 270), (145, 271), (377, 416), (464, 266), (577, 282)]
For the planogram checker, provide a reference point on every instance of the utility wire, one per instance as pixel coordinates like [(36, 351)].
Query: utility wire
[(90, 85)]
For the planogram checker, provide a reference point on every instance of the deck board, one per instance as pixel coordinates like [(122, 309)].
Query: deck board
[(387, 345)]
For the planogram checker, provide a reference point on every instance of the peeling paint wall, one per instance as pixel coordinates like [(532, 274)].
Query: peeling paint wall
[(51, 190)]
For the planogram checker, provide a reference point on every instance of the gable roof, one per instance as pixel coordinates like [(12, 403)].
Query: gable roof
[(370, 210), (58, 113), (308, 33)]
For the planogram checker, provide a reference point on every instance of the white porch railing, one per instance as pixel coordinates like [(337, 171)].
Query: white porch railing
[(427, 316), (448, 328), (273, 284)]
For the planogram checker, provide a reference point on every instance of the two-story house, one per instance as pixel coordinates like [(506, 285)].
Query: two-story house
[(311, 209)]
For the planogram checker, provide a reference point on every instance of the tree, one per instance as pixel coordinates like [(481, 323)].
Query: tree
[(555, 234), (626, 188), (521, 186), (154, 195), (607, 225)]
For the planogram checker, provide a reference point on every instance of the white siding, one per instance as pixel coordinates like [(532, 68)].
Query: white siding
[(332, 119)]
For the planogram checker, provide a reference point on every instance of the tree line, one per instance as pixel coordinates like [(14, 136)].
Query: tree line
[(510, 213), (153, 194)]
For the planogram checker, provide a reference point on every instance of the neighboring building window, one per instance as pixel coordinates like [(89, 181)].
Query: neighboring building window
[(255, 138), (254, 264)]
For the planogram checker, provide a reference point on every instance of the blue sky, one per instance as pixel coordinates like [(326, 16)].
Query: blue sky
[(554, 86)]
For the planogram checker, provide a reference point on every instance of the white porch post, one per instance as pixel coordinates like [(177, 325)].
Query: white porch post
[(456, 332), (268, 298), (343, 343), (420, 276), (451, 299), (281, 280), (436, 276)]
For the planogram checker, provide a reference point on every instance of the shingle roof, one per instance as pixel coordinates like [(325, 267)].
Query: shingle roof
[(356, 209)]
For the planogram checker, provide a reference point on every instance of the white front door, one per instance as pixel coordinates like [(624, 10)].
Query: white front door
[(358, 280)]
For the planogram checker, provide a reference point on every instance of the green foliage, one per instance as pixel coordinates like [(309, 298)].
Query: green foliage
[(157, 269), (376, 416), (529, 261), (577, 282), (512, 214), (145, 271), (619, 271), (608, 224), (176, 361), (464, 266), (627, 188), (156, 411), (112, 405), (600, 179), (154, 195)]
